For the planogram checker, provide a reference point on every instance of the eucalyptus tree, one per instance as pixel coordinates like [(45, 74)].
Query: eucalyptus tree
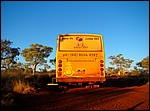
[(53, 61), (135, 70), (120, 62), (127, 64), (36, 54), (45, 69), (8, 54), (144, 64), (110, 70)]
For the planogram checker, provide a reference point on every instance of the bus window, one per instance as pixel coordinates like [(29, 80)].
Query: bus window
[(80, 43)]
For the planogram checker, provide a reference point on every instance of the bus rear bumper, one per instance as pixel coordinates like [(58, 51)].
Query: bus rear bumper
[(81, 79)]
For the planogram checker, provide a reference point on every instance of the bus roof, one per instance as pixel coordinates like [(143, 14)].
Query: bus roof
[(71, 34)]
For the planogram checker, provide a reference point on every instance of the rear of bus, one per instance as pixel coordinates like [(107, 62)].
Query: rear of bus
[(80, 58)]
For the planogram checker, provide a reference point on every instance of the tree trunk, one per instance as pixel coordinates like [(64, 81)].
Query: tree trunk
[(119, 72), (34, 68)]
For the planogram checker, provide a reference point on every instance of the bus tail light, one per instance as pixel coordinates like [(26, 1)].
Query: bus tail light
[(60, 61), (101, 61), (59, 67), (102, 67)]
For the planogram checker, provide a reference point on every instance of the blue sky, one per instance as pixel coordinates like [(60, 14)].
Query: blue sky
[(123, 24)]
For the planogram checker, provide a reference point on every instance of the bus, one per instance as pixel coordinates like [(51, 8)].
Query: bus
[(80, 58)]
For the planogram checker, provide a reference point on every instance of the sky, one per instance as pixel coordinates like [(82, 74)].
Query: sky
[(124, 25)]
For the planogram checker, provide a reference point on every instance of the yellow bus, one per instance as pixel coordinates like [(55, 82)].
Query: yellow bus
[(80, 58)]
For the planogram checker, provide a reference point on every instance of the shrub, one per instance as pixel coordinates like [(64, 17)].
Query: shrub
[(39, 81), (22, 87), (6, 83)]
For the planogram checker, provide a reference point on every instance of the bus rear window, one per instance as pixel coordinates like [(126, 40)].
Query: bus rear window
[(80, 43)]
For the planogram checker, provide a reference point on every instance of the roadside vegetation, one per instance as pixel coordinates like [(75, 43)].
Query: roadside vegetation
[(24, 79)]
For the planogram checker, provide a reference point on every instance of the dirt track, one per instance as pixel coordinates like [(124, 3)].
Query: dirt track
[(104, 98)]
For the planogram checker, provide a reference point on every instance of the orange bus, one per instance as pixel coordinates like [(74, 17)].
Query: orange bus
[(80, 59)]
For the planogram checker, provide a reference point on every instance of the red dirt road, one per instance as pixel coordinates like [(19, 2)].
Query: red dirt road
[(104, 98)]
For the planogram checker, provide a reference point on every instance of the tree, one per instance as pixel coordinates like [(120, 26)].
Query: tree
[(27, 68), (144, 64), (8, 54), (127, 64), (110, 70), (36, 54), (121, 63), (135, 70), (53, 61), (46, 66)]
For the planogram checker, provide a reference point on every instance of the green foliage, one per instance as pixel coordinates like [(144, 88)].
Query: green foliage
[(135, 71), (110, 70), (36, 54), (144, 64), (46, 67), (121, 63), (8, 54), (53, 61)]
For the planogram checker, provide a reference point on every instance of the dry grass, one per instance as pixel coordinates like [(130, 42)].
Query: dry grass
[(22, 87), (11, 85)]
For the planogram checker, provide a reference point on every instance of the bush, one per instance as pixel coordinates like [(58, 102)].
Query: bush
[(6, 83), (24, 84), (22, 87), (39, 81), (15, 83)]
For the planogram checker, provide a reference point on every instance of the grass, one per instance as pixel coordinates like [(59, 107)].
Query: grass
[(22, 87), (12, 85)]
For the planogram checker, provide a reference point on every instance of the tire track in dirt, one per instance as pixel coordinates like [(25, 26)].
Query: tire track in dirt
[(83, 98), (107, 98)]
